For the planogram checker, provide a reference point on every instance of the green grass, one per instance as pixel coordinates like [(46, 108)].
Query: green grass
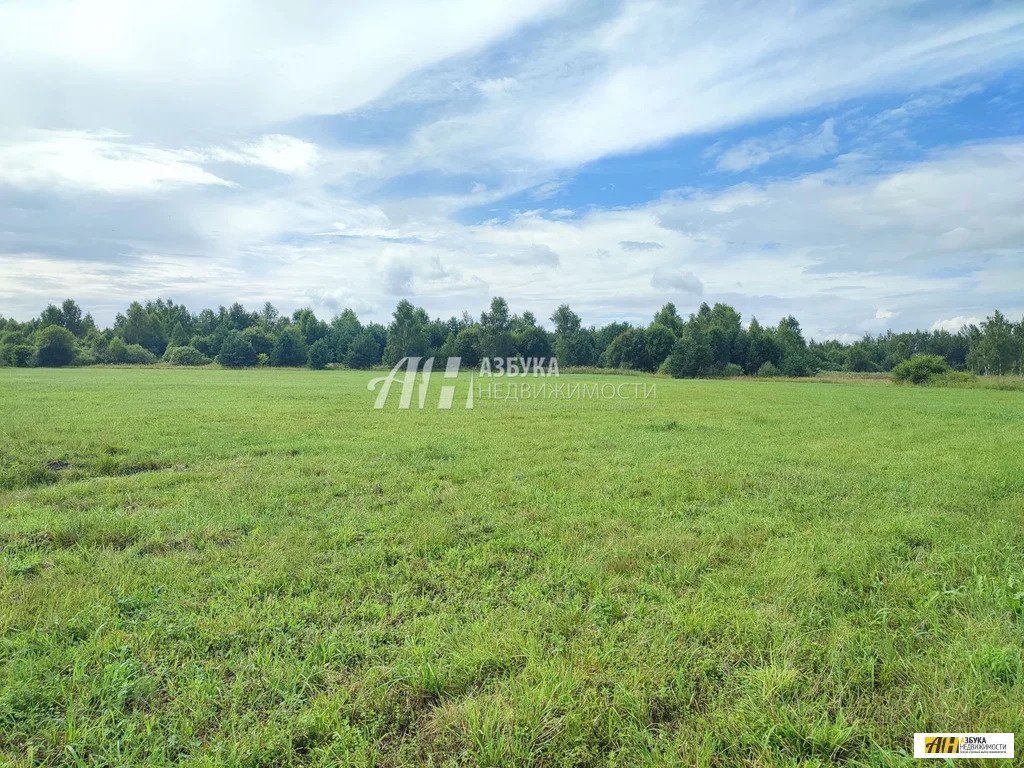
[(255, 568)]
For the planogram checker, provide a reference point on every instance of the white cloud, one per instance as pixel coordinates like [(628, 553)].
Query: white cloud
[(99, 162), (885, 314), (954, 324), (676, 280), (110, 162)]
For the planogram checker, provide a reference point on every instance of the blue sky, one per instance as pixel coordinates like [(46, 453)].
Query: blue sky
[(857, 164)]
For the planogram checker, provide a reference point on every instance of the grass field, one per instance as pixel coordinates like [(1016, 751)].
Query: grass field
[(255, 568)]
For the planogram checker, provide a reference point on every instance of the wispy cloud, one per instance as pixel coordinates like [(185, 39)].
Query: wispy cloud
[(785, 143)]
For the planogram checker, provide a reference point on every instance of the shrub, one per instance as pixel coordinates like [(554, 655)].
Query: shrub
[(120, 353), (768, 371), (139, 355), (55, 346), (236, 352), (86, 356), (732, 370), (116, 352), (920, 369), (187, 356), (19, 355), (796, 365), (954, 379)]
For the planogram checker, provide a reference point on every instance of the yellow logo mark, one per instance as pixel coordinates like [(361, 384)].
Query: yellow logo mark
[(942, 745)]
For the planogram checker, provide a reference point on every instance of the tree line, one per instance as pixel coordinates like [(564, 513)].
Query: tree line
[(709, 342)]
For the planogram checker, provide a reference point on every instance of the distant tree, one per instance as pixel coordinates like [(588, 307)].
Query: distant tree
[(406, 334), (309, 326), (344, 328), (55, 346), (137, 327), (51, 316), (793, 349), (629, 350), (573, 345), (997, 349), (603, 337), (206, 323), (289, 348), (725, 335), (519, 323), (495, 331), (71, 316), (364, 351), (692, 355), (533, 341), (321, 353), (761, 348), (468, 346), (179, 336), (261, 339), (236, 351), (239, 319), (436, 332), (859, 356), (268, 316), (659, 341), (669, 317)]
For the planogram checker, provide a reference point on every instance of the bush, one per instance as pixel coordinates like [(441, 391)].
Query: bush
[(86, 356), (55, 346), (236, 352), (920, 369), (796, 365), (187, 356), (954, 379), (18, 355), (732, 370), (120, 353), (768, 371), (139, 355)]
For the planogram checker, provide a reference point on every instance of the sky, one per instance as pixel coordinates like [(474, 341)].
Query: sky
[(857, 164)]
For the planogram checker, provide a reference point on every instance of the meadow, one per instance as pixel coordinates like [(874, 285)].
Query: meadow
[(256, 568)]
